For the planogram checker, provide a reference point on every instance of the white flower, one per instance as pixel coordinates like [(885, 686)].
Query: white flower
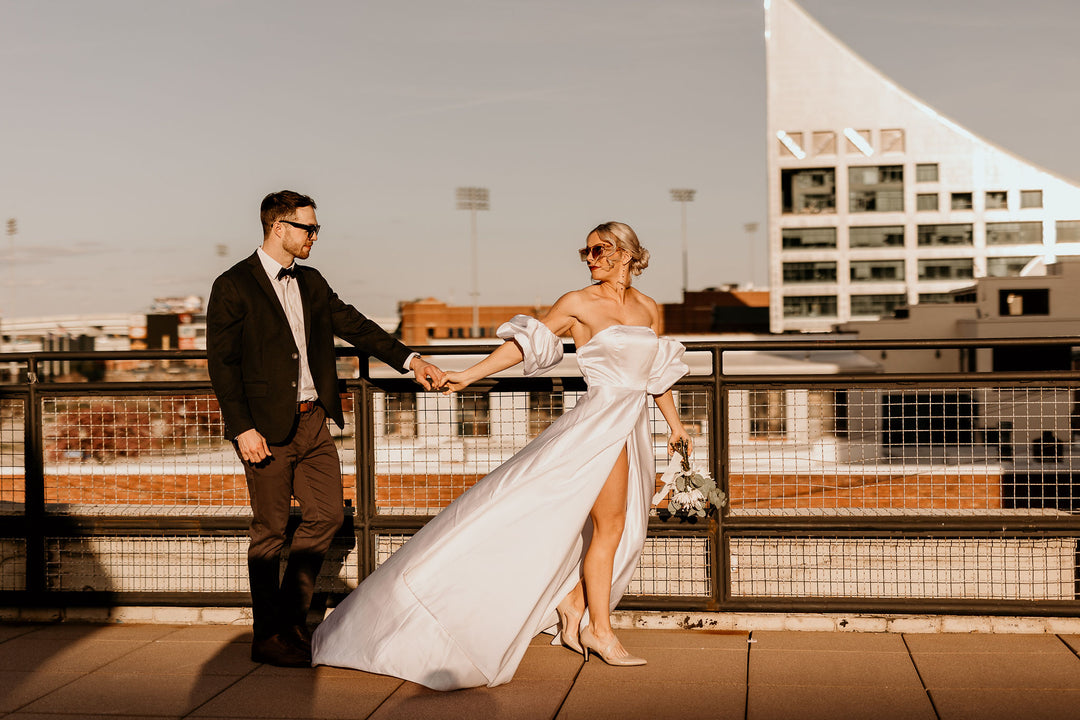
[(689, 499)]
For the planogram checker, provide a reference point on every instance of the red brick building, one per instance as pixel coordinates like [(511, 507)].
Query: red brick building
[(718, 310), (429, 319)]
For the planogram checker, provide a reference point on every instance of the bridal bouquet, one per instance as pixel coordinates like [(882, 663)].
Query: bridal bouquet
[(692, 485)]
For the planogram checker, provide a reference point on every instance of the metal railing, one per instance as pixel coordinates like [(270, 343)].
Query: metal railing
[(944, 492)]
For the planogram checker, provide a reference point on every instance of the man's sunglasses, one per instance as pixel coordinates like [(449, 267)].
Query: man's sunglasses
[(595, 252), (311, 230)]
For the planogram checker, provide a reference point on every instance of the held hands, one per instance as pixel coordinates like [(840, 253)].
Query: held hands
[(455, 382), (429, 376)]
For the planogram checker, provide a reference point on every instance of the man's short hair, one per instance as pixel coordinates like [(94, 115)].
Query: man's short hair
[(280, 206)]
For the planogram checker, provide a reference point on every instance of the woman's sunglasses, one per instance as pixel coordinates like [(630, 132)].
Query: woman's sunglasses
[(595, 252)]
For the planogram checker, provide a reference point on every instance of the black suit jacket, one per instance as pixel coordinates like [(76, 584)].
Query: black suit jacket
[(253, 360)]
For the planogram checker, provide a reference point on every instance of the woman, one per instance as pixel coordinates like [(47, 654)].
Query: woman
[(553, 532)]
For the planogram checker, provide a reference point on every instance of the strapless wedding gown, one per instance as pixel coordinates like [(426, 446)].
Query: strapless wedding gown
[(457, 605)]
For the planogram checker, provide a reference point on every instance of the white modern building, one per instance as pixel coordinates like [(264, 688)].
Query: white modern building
[(876, 200)]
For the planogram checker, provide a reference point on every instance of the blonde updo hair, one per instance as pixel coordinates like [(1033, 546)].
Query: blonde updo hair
[(623, 237)]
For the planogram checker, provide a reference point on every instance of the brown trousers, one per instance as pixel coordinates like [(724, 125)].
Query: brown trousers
[(306, 467)]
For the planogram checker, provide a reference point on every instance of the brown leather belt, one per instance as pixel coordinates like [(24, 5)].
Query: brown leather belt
[(305, 407)]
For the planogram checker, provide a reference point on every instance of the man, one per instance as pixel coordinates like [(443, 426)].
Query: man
[(270, 345)]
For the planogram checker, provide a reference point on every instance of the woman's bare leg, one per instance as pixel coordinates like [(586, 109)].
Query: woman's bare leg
[(609, 518)]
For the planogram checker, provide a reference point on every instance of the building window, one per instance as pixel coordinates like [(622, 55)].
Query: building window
[(876, 304), (1014, 233), (809, 191), (544, 408), (791, 145), (1068, 231), (809, 272), (768, 413), (1031, 198), (926, 201), (962, 201), (877, 270), (926, 172), (1006, 266), (1029, 301), (863, 137), (878, 236), (840, 413), (473, 414), (935, 298), (810, 306), (997, 200), (876, 188), (892, 141), (400, 417), (929, 419), (825, 143), (808, 238), (947, 269), (936, 235)]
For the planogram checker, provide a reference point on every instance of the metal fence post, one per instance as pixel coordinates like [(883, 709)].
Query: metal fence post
[(34, 485), (365, 476)]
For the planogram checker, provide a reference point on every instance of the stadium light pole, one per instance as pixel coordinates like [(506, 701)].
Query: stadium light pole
[(683, 196), (473, 199)]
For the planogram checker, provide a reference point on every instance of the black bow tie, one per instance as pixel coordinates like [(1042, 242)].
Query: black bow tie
[(287, 272)]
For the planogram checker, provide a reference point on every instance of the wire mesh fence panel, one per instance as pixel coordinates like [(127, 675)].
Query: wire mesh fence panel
[(673, 566), (430, 448), (879, 450), (147, 564), (151, 454), (340, 570), (386, 545), (12, 449), (12, 564), (173, 564), (973, 567)]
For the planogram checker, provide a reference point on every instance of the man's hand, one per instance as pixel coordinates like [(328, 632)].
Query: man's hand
[(429, 376), (252, 446)]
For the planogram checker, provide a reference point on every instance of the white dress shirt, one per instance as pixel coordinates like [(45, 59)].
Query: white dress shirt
[(288, 294)]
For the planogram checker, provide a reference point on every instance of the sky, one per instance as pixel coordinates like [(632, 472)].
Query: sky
[(137, 137)]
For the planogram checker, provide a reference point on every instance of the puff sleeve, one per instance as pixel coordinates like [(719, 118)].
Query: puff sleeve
[(667, 367), (541, 347)]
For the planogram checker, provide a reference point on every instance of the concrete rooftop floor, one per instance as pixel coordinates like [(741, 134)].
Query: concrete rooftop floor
[(139, 672)]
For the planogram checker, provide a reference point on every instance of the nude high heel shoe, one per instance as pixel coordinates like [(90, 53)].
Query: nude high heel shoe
[(566, 623), (591, 643)]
